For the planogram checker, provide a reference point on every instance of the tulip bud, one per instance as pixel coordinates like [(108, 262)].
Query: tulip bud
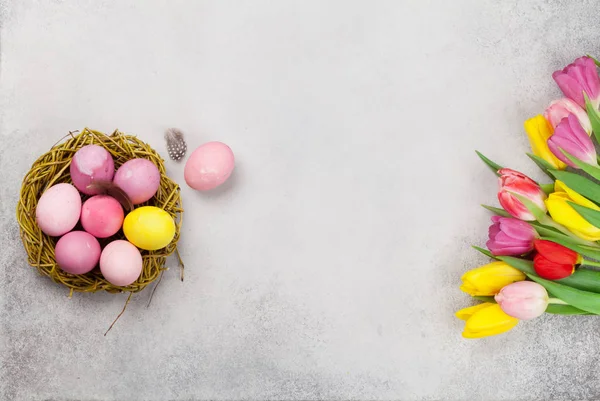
[(554, 261), (488, 279), (578, 78), (484, 320), (560, 208), (512, 182), (538, 131), (571, 137), (524, 300), (561, 108), (510, 236)]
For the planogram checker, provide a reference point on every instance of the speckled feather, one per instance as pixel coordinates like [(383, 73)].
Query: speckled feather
[(176, 146)]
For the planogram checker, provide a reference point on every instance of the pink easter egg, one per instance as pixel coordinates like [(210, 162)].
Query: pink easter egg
[(209, 166), (91, 162), (121, 263), (139, 178), (58, 209), (102, 216), (77, 252)]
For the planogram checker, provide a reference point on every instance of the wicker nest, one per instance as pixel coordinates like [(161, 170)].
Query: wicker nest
[(53, 168)]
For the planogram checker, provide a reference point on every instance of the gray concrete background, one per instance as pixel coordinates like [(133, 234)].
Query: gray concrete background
[(328, 268)]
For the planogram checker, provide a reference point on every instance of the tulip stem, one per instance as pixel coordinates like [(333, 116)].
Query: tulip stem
[(587, 262), (556, 301)]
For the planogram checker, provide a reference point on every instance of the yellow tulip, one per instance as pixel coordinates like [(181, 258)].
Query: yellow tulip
[(564, 214), (539, 131), (486, 319), (489, 279)]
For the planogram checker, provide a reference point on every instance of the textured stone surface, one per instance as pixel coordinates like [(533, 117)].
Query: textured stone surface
[(328, 267)]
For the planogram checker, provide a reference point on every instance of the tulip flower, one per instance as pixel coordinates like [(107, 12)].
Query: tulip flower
[(486, 319), (571, 137), (524, 300), (510, 236), (512, 182), (561, 108), (578, 78), (564, 214), (489, 279), (554, 261), (539, 131)]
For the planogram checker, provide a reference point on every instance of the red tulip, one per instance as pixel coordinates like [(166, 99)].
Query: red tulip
[(554, 261), (512, 182)]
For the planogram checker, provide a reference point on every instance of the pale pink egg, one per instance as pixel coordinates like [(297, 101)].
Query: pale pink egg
[(209, 166), (91, 163), (77, 252), (139, 178), (121, 263), (102, 216), (58, 209)]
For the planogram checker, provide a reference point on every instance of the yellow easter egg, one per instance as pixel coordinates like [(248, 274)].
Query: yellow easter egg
[(149, 228)]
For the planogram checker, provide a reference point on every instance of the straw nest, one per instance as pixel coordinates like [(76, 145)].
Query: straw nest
[(53, 168)]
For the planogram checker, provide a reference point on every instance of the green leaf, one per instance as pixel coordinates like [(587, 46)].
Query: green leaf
[(484, 251), (582, 279), (534, 209), (497, 210), (592, 170), (594, 117), (546, 231), (565, 310), (526, 266), (493, 166), (584, 300), (587, 251), (581, 185), (591, 215), (547, 188), (542, 164)]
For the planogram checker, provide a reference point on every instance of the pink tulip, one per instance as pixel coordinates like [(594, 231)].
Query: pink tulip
[(561, 108), (512, 182), (509, 236), (570, 137), (579, 77), (524, 300)]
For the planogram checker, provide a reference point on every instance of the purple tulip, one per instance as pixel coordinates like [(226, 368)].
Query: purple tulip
[(579, 77), (572, 138), (510, 236)]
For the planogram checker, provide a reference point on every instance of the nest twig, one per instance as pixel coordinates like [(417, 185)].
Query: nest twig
[(53, 168)]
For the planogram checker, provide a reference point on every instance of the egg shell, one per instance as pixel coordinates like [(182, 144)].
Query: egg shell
[(121, 263), (102, 216), (58, 209), (91, 162), (139, 178), (209, 166), (149, 228), (77, 252)]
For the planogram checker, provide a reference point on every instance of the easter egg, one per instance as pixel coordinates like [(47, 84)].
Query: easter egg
[(58, 209), (101, 216), (209, 166), (149, 228), (121, 263), (77, 252), (91, 162), (139, 178)]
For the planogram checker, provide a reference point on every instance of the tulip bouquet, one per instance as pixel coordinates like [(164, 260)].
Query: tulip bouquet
[(545, 238)]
